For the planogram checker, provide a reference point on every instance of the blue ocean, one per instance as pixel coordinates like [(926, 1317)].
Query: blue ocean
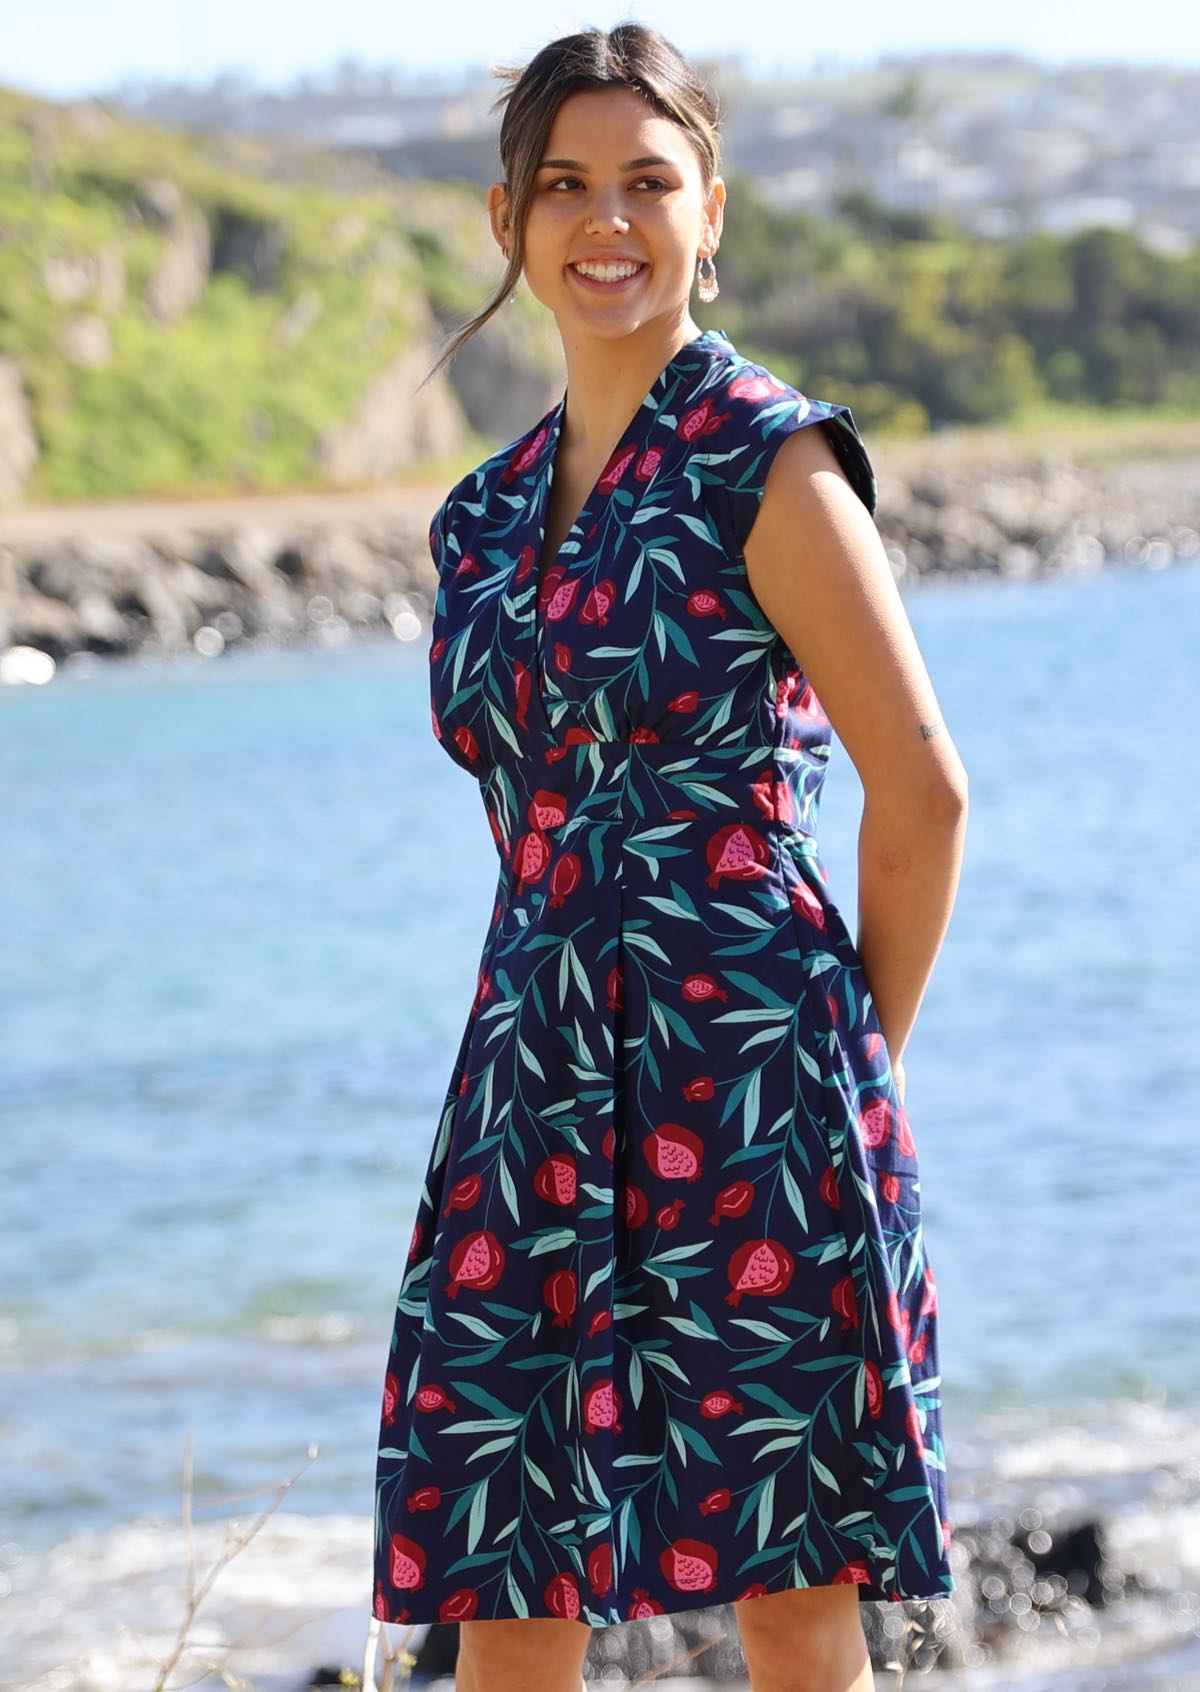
[(242, 906)]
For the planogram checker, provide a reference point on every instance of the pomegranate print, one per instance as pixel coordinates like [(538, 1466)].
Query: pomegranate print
[(666, 1312), (762, 1267)]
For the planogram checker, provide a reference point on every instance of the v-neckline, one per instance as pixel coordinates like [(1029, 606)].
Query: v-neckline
[(546, 473)]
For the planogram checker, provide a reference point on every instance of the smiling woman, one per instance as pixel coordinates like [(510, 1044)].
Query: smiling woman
[(667, 1331)]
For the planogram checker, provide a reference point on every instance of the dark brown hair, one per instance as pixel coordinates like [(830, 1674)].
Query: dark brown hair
[(629, 56)]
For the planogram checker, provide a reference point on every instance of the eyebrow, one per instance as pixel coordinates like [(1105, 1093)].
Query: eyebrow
[(575, 164)]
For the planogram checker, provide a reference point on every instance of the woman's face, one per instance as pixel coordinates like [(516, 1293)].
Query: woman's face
[(617, 181)]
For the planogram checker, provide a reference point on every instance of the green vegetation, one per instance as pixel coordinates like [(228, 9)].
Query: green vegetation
[(313, 268)]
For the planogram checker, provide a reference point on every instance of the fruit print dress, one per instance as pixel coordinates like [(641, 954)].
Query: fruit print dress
[(667, 1331)]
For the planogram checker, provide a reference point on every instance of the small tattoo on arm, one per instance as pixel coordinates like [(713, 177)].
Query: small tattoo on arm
[(928, 730)]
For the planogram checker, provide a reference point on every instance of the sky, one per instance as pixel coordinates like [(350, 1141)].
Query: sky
[(73, 48)]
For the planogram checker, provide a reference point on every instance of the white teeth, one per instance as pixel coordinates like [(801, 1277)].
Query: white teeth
[(607, 272)]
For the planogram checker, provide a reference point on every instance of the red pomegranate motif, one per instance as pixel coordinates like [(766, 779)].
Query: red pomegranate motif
[(602, 1319), (699, 987), (852, 1574), (644, 736), (682, 815), (805, 903), (643, 1605), (637, 1206), (733, 1200), (431, 1397), (912, 1424), (436, 650), (414, 1244), (758, 1590), (598, 602), (483, 991), (946, 1536), (738, 851), (523, 688), (829, 1187), (546, 810), (600, 1568), (608, 1144), (873, 1382), (674, 1153), (525, 456), (525, 563), (559, 1292), (702, 419), (716, 1501), (464, 1193), (468, 565), (433, 717), (753, 387), (466, 743), (704, 603), (918, 1348), (407, 1564), (761, 1267), (929, 1302), (845, 1301), (701, 1088), (562, 657), (684, 701), (785, 691), (459, 1606), (477, 1261), (892, 1309), (904, 1138), (668, 1216), (561, 600), (425, 1498), (532, 856), (889, 1188), (565, 878), (689, 1565), (905, 1328), (556, 1178), (615, 988), (391, 1397), (809, 705), (720, 1403), (601, 1408)]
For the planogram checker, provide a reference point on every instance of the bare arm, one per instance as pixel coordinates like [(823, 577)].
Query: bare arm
[(818, 568)]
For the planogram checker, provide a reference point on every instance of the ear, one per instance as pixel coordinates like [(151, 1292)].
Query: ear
[(499, 212)]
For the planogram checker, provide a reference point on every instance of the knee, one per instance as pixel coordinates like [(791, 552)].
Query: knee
[(808, 1640), (520, 1655)]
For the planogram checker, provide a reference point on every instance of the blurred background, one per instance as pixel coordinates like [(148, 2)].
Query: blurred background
[(236, 969)]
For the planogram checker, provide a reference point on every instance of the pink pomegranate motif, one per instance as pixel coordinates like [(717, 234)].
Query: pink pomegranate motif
[(761, 1267), (946, 1536), (704, 603), (599, 1568), (668, 1216), (563, 657), (425, 1498), (615, 989), (738, 851), (477, 1261), (753, 387), (546, 810), (852, 1574), (912, 1424), (702, 419), (716, 1501), (466, 743), (647, 465), (559, 1294), (829, 1188), (805, 903), (431, 1397), (532, 856), (875, 1123), (689, 1565), (733, 1200), (643, 1605), (873, 1381), (522, 459), (408, 1564), (674, 1153), (561, 600), (598, 603), (616, 467), (555, 1178), (701, 1088), (684, 701), (464, 1193), (699, 987), (459, 1606), (565, 877), (601, 1407), (720, 1403), (845, 1301), (637, 1206), (391, 1397)]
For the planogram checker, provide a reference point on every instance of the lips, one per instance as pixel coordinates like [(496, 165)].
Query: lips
[(617, 282)]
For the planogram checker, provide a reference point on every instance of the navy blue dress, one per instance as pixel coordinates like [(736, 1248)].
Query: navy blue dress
[(667, 1332)]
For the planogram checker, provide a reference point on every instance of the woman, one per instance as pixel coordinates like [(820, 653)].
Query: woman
[(667, 1336)]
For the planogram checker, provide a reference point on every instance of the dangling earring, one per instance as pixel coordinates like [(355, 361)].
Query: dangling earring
[(707, 284)]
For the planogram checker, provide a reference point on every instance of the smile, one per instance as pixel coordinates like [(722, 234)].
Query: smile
[(607, 276)]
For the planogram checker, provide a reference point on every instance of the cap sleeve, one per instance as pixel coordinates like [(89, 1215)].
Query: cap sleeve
[(443, 547), (764, 415)]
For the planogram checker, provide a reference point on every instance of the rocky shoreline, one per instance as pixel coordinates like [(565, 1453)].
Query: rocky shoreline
[(328, 568)]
